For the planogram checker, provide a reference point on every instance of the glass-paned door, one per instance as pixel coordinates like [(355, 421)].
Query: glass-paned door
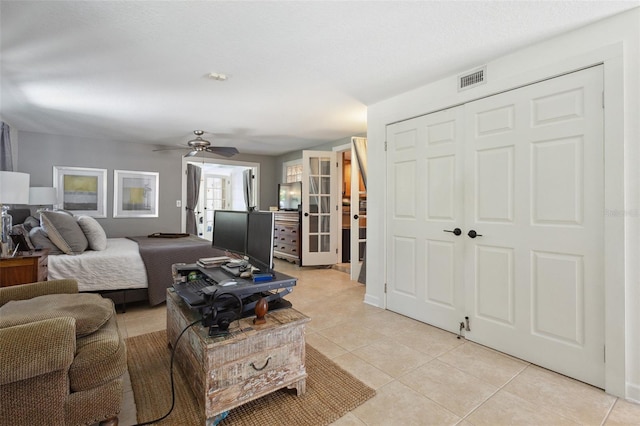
[(214, 198), (358, 243), (319, 208)]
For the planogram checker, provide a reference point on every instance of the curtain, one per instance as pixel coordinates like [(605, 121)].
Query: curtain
[(6, 161), (193, 191), (247, 178)]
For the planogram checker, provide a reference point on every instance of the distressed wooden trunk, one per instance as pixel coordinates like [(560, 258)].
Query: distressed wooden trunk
[(250, 362)]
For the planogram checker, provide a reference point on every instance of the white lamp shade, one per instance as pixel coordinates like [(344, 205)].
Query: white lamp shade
[(14, 188), (43, 196)]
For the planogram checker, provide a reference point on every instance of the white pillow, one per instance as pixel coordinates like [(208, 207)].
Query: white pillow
[(93, 231)]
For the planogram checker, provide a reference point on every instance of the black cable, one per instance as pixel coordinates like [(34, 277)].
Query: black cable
[(173, 352), (173, 392)]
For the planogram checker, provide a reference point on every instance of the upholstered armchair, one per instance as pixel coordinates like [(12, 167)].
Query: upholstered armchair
[(62, 357)]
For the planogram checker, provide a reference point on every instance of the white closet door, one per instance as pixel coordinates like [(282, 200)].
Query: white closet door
[(534, 192), (527, 178), (425, 193)]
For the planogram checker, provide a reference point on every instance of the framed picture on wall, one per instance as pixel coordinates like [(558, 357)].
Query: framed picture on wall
[(135, 194), (81, 190)]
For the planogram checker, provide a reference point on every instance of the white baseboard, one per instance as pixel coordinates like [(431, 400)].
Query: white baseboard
[(373, 301), (633, 393)]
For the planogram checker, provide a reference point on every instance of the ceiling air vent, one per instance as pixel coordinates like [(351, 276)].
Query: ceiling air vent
[(472, 79)]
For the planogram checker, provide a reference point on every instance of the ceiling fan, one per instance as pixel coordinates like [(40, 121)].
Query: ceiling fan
[(198, 145)]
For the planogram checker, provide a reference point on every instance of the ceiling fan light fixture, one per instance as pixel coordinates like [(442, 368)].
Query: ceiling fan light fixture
[(202, 145)]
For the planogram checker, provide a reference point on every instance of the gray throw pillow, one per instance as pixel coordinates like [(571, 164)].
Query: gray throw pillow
[(30, 223), (93, 231), (63, 230), (39, 239)]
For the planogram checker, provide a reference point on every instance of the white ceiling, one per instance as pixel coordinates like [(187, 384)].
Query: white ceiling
[(301, 73)]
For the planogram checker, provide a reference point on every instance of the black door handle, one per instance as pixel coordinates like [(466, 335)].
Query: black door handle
[(473, 234), (456, 231), (306, 214), (355, 216)]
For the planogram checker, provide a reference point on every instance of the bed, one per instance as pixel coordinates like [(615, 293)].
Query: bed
[(118, 271), (124, 269)]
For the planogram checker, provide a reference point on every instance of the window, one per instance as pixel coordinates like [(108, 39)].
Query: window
[(293, 173), (215, 198)]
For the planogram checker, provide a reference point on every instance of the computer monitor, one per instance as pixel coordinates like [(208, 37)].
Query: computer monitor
[(230, 231), (260, 230)]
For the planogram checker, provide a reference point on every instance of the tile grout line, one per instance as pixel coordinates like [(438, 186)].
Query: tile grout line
[(494, 393), (606, 417)]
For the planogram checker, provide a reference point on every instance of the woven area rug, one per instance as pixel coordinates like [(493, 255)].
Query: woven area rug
[(331, 391)]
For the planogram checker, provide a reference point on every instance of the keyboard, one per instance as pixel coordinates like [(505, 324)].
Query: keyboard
[(191, 291)]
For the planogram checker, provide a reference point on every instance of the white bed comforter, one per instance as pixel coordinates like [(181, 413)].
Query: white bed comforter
[(118, 267)]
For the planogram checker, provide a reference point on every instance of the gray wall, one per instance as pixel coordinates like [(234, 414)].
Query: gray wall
[(38, 153)]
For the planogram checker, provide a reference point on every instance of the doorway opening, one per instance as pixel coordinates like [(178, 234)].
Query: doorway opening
[(353, 204), (222, 187)]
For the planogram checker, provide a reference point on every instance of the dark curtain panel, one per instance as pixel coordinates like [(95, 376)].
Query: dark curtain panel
[(247, 177), (6, 161), (193, 190)]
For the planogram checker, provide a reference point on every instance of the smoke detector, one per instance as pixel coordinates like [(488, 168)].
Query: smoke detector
[(217, 76)]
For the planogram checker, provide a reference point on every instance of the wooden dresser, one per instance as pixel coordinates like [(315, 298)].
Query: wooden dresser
[(24, 268), (248, 363), (288, 236)]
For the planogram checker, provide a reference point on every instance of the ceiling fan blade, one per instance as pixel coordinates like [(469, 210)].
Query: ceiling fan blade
[(170, 148), (191, 153), (225, 151)]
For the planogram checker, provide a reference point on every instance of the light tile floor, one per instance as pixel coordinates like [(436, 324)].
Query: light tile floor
[(422, 375)]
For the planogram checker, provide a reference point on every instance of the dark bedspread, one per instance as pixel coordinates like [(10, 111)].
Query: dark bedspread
[(159, 254)]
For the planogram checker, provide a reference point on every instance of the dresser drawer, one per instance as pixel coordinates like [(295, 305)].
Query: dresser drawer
[(286, 248), (24, 268), (287, 236), (291, 238), (256, 374), (287, 230)]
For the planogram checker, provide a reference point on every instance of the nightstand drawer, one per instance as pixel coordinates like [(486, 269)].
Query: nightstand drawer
[(23, 269)]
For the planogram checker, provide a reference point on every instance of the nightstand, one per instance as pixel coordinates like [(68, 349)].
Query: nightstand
[(25, 268)]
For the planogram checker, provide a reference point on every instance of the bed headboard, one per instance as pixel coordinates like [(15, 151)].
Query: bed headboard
[(19, 215)]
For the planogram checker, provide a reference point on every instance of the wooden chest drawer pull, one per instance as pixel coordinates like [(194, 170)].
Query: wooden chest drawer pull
[(261, 368)]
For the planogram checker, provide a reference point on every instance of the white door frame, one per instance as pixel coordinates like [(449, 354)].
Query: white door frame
[(206, 160), (339, 150), (354, 265)]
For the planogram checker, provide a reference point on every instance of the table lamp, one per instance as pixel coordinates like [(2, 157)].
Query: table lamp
[(14, 189), (43, 196)]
